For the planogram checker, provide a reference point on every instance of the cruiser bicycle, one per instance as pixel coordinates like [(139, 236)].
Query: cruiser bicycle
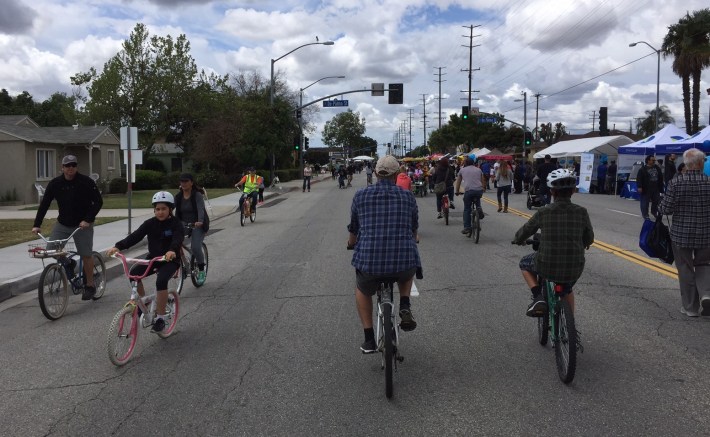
[(57, 276)]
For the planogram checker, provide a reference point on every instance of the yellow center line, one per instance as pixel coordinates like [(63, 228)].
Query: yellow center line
[(664, 269)]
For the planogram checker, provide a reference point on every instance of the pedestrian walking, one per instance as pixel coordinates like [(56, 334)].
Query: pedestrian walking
[(687, 198), (649, 184), (307, 173), (543, 170), (504, 181)]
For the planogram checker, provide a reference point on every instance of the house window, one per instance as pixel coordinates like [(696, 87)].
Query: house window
[(175, 164), (45, 164), (111, 160)]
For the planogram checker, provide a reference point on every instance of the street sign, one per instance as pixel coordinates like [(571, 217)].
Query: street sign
[(129, 137), (334, 103), (487, 120)]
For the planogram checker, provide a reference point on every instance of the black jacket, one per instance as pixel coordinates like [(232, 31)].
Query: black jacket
[(643, 182), (670, 170), (78, 200), (441, 176), (163, 236)]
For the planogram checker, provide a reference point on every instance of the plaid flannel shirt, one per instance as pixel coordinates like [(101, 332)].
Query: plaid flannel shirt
[(565, 233), (384, 217), (687, 198)]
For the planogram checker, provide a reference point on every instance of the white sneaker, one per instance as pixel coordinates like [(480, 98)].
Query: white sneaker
[(688, 313)]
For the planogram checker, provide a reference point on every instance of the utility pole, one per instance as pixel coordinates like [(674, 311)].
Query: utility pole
[(439, 98), (594, 119), (470, 60), (537, 106), (410, 127), (424, 118)]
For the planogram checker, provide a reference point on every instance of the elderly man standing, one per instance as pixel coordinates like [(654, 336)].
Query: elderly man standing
[(687, 198)]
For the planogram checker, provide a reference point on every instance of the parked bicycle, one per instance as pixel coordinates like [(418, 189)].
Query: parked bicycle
[(57, 276), (139, 312), (476, 214), (558, 324), (188, 261)]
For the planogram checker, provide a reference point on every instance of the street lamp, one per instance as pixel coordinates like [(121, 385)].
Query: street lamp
[(525, 117), (300, 118), (271, 91), (658, 78)]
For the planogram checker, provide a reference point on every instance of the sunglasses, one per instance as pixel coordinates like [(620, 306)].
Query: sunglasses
[(71, 164)]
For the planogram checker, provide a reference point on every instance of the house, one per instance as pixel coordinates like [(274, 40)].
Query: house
[(171, 155), (34, 154)]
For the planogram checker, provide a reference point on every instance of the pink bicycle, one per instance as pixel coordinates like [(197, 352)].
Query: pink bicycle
[(140, 312)]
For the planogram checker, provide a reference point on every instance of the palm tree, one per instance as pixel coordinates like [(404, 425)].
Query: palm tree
[(688, 41), (646, 126)]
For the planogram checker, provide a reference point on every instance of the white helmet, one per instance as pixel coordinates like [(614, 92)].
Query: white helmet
[(561, 178), (163, 197)]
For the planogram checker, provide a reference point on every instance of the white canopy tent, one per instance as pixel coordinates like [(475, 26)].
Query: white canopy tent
[(363, 158), (599, 145)]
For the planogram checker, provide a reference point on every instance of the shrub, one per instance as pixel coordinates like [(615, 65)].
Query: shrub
[(208, 178), (148, 180), (118, 186), (171, 181), (153, 164)]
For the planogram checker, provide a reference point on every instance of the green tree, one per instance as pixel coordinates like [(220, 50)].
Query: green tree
[(344, 130), (646, 126), (688, 42), (143, 85)]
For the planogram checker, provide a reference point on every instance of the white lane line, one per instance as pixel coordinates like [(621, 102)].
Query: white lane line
[(623, 212)]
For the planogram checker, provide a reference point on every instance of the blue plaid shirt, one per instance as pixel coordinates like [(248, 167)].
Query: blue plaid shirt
[(384, 217)]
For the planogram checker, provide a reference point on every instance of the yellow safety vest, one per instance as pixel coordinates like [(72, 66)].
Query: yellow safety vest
[(252, 185)]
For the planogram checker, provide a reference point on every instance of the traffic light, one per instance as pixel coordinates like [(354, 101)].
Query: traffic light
[(464, 112), (297, 143), (305, 143), (396, 94), (528, 139), (603, 129)]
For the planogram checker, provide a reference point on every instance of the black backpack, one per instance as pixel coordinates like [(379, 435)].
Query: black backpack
[(659, 240)]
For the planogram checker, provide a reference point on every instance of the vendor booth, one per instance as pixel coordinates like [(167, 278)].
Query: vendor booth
[(590, 150), (699, 140)]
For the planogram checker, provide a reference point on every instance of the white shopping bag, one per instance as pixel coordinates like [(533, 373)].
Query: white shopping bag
[(415, 290)]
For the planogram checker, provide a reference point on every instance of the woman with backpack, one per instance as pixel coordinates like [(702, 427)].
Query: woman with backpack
[(190, 209)]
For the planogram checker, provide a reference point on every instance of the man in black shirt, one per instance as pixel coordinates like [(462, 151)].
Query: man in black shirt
[(78, 200), (542, 172), (649, 184)]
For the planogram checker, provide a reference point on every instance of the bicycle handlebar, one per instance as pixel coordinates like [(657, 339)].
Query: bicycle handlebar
[(62, 242), (143, 261)]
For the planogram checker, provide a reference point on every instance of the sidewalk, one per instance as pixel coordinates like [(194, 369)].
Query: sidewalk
[(20, 274)]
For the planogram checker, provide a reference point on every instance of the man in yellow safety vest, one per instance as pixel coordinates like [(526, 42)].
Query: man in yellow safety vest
[(250, 182)]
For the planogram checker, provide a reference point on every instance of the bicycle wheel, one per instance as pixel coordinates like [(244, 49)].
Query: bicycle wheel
[(252, 216), (476, 225), (194, 268), (173, 309), (53, 291), (543, 323), (123, 335), (389, 349), (99, 275), (178, 279), (242, 217), (565, 342)]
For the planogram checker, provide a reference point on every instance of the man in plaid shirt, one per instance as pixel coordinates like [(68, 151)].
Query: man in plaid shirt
[(383, 231), (687, 198), (566, 232)]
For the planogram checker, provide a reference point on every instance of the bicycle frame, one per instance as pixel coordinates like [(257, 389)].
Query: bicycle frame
[(136, 299), (385, 297)]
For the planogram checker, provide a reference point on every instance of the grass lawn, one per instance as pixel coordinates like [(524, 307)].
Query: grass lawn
[(141, 199), (16, 231)]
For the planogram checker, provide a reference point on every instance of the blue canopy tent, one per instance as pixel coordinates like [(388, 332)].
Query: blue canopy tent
[(698, 140)]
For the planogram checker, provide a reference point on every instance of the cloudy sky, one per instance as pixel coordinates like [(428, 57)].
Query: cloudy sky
[(574, 53)]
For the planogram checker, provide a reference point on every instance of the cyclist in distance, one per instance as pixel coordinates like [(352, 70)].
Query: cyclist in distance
[(474, 183), (78, 200), (250, 182), (384, 220), (565, 232), (190, 209), (165, 234)]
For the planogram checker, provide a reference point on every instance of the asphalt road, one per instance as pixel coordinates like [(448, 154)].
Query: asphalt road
[(270, 345)]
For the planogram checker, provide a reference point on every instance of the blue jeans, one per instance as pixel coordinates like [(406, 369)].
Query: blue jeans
[(469, 197), (504, 190), (254, 197), (645, 198)]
